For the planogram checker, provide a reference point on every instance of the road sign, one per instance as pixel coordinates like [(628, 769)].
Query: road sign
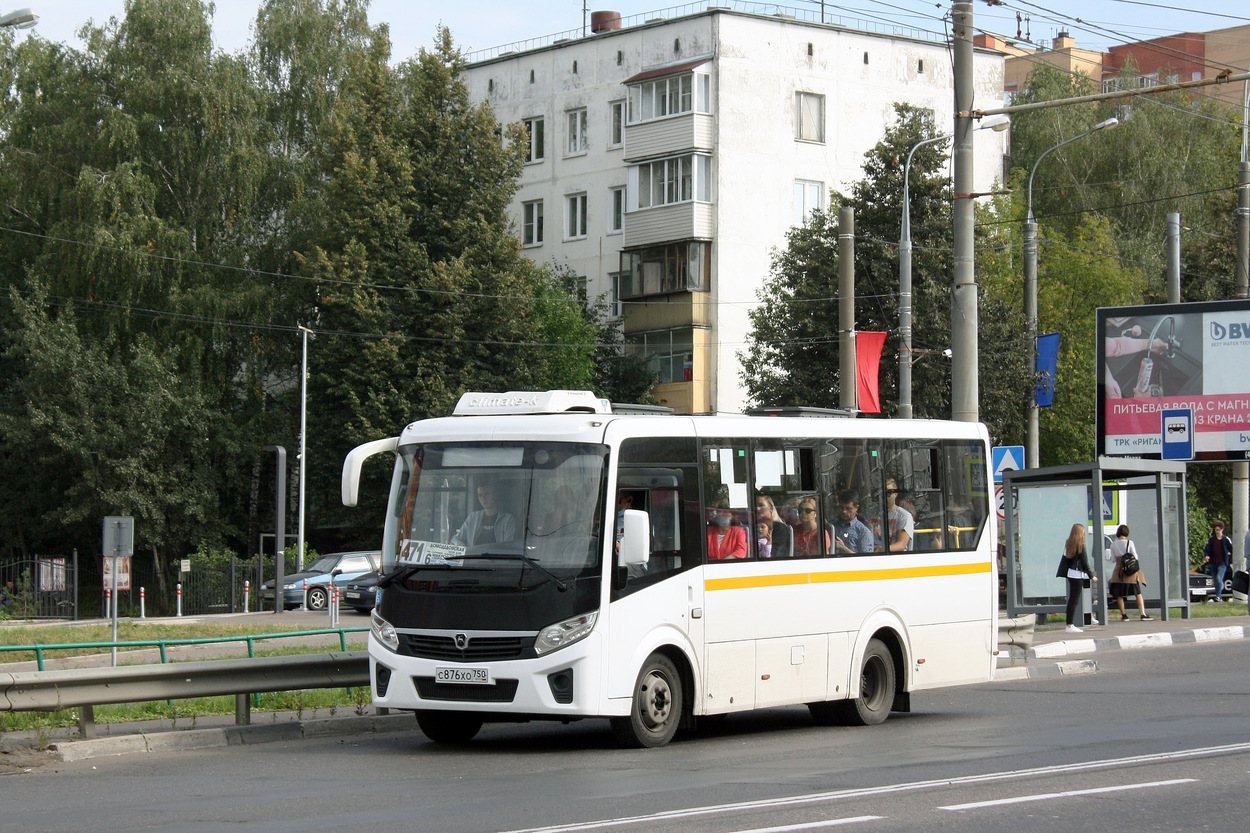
[(1177, 427), (1006, 458)]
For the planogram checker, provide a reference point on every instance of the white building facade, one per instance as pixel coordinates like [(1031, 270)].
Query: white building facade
[(668, 160)]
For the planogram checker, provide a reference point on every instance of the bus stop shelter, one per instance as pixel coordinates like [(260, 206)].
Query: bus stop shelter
[(1041, 505)]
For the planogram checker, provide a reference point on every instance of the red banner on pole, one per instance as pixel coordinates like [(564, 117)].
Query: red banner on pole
[(868, 346)]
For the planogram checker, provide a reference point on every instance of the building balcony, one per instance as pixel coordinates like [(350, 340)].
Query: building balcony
[(669, 136)]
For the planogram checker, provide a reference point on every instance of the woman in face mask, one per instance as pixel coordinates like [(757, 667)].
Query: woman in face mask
[(726, 538)]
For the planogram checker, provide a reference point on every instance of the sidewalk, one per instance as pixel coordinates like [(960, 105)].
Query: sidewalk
[(1056, 652)]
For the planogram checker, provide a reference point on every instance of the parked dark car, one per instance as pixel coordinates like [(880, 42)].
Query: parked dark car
[(361, 592), (1202, 586), (312, 586)]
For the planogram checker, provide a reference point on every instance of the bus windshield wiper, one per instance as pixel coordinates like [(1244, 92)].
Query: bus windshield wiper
[(533, 562), (404, 570)]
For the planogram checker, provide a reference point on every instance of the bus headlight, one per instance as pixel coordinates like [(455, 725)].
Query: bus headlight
[(383, 631), (564, 633)]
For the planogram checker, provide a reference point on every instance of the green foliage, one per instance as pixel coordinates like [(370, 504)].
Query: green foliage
[(161, 197)]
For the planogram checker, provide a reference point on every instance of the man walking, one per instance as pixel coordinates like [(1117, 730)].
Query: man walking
[(1219, 554)]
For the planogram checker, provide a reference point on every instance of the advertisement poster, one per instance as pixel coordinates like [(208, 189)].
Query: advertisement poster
[(1175, 356)]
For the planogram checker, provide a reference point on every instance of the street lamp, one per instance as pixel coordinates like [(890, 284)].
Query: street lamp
[(998, 124), (20, 19), (303, 430), (1030, 289)]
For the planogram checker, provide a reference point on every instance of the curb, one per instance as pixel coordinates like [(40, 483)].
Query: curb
[(81, 750), (1055, 669), (1070, 647)]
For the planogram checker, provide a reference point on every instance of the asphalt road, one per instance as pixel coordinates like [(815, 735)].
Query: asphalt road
[(1153, 741)]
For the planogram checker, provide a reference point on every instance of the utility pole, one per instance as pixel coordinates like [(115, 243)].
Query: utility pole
[(964, 358), (847, 373), (1241, 471)]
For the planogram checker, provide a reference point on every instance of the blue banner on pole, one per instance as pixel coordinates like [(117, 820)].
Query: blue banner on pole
[(1047, 367)]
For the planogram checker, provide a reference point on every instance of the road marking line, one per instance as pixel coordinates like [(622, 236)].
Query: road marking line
[(862, 792), (1068, 794), (811, 825)]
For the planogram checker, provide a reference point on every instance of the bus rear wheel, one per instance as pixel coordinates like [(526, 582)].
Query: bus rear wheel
[(656, 708), (449, 727), (877, 686)]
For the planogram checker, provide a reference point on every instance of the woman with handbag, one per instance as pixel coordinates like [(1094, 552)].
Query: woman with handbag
[(1127, 579), (1079, 573)]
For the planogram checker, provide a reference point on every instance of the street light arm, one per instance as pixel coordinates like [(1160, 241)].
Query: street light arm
[(1102, 125)]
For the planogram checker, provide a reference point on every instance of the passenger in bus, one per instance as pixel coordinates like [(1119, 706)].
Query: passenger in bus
[(850, 534), (764, 540), (726, 538), (487, 525), (781, 536), (807, 536), (902, 523)]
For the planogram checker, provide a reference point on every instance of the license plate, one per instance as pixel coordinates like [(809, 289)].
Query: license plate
[(353, 595), (463, 676)]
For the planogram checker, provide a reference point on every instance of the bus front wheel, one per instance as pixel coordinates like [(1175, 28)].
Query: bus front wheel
[(656, 708), (449, 727), (877, 685)]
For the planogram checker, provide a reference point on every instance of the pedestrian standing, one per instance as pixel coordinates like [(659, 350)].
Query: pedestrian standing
[(1128, 578), (1219, 554), (1079, 573)]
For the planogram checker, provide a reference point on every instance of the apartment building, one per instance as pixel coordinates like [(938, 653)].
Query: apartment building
[(1185, 56), (668, 158)]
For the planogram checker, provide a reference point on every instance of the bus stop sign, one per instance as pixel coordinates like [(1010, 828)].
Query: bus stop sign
[(1177, 426)]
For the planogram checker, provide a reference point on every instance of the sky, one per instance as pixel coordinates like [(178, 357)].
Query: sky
[(480, 24)]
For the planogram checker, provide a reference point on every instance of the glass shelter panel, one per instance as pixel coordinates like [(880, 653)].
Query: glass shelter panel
[(1047, 513)]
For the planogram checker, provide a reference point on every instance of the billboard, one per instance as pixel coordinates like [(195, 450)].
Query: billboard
[(1193, 357)]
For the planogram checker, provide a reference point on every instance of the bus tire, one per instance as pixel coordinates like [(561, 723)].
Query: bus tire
[(877, 684), (449, 727), (655, 711)]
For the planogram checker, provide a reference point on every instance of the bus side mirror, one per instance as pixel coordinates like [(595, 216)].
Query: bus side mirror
[(355, 461), (636, 541)]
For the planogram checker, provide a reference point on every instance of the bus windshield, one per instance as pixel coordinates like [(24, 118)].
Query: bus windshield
[(502, 515)]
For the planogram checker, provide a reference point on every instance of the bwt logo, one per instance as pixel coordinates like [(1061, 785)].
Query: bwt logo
[(1232, 332)]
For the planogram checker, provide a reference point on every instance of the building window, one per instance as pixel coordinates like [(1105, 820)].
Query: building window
[(809, 117), (618, 210), (668, 181), (532, 223), (616, 133), (577, 130), (618, 309), (534, 130), (661, 97), (656, 270), (669, 354), (576, 208), (808, 196)]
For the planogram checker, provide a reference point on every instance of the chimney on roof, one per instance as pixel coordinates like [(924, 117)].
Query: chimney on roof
[(1064, 41), (604, 21)]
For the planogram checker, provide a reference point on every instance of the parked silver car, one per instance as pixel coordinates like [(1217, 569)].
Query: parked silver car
[(312, 586)]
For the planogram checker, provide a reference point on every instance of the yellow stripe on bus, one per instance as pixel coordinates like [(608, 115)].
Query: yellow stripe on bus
[(788, 579)]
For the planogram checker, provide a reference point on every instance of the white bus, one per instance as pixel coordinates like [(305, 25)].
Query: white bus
[(552, 556)]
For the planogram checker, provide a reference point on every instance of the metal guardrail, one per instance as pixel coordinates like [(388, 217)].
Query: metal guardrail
[(163, 644), (86, 688)]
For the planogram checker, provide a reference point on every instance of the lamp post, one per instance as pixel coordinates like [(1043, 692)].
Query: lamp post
[(997, 124), (1030, 288), (303, 430), (20, 19)]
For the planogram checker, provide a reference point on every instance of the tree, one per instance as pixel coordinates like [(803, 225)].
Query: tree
[(423, 292), (792, 345)]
